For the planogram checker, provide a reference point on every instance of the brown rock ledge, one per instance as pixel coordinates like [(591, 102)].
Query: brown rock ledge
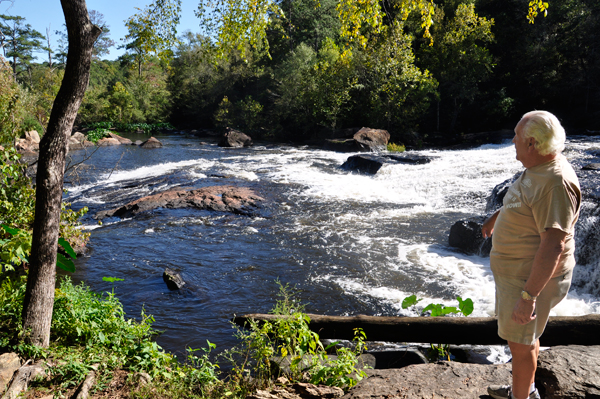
[(238, 200)]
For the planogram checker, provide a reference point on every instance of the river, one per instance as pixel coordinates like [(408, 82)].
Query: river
[(352, 244)]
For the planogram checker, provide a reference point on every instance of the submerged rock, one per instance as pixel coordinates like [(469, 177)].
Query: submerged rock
[(239, 200), (173, 279)]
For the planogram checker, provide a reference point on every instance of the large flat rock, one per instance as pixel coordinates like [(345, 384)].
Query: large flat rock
[(238, 200), (444, 380)]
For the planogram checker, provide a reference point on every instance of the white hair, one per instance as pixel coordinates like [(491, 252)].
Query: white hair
[(546, 130)]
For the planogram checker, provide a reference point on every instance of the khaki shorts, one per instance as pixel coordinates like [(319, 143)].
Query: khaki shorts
[(508, 292)]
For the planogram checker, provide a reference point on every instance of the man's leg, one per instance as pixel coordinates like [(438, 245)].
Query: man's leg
[(524, 364)]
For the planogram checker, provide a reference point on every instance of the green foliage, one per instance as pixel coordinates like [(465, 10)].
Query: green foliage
[(153, 31), (17, 196), (97, 134), (130, 127), (465, 307), (290, 338), (391, 147), (12, 106)]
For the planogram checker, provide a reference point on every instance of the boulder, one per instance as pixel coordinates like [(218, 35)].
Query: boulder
[(239, 200), (569, 372), (151, 143), (494, 201), (78, 137), (234, 138), (122, 140), (449, 380), (372, 139), (107, 141), (9, 363), (466, 236), (173, 279), (367, 164), (26, 145), (33, 136), (591, 166)]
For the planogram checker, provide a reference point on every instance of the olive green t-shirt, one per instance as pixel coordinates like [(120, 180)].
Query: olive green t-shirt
[(544, 196)]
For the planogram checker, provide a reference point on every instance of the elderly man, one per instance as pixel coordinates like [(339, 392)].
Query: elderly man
[(532, 254)]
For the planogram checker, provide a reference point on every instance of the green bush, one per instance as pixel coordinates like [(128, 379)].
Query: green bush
[(391, 147), (97, 134)]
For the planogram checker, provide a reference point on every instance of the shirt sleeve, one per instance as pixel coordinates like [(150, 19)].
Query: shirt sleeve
[(557, 209)]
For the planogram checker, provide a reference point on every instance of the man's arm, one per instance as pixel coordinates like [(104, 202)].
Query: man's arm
[(488, 226), (544, 264)]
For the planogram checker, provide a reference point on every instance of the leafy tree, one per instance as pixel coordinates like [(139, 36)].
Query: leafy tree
[(19, 42), (104, 42), (459, 59), (153, 31), (13, 104), (39, 294)]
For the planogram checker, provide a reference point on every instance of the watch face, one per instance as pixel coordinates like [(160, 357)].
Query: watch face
[(525, 295)]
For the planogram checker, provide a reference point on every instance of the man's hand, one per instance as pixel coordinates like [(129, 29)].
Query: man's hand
[(523, 311), (488, 226)]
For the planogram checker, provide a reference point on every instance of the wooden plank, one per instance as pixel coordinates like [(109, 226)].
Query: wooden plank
[(561, 330)]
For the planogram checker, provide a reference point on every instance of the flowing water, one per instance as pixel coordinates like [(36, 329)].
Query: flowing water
[(353, 244)]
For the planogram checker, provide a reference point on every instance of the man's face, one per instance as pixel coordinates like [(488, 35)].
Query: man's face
[(523, 145)]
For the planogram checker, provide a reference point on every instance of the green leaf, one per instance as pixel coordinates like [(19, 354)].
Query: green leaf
[(10, 230), (67, 247), (65, 263), (410, 301), (112, 279), (466, 306)]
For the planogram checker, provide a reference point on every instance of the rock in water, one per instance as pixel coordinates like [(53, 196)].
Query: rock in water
[(151, 143), (368, 164), (239, 200), (372, 139), (235, 138), (466, 236), (173, 279)]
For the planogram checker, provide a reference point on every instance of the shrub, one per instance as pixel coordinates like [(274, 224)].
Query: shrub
[(391, 147), (97, 134)]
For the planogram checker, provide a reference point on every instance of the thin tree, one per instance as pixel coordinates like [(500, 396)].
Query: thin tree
[(39, 295)]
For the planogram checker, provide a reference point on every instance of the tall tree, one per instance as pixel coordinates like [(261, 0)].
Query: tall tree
[(104, 42), (21, 40), (39, 296), (153, 31)]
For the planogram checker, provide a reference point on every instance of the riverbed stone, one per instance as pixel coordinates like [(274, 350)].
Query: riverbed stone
[(238, 200), (442, 380), (235, 139)]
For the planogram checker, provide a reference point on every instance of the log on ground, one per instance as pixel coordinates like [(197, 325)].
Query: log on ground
[(561, 330)]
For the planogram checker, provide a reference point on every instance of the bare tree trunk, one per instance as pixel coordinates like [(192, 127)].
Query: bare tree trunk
[(39, 297)]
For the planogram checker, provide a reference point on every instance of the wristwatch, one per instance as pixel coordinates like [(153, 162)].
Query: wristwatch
[(527, 296)]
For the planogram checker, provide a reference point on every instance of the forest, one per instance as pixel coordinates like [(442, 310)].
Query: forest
[(298, 75)]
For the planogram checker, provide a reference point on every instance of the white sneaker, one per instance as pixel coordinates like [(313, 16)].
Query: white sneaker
[(505, 392)]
